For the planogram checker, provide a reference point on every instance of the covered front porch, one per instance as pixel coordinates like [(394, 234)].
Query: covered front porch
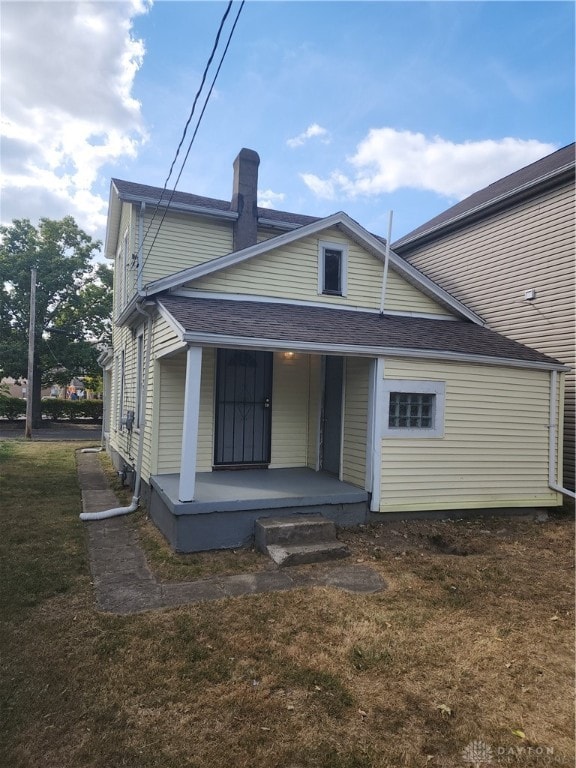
[(227, 503)]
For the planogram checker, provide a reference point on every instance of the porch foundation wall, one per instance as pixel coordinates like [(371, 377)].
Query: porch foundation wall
[(235, 529)]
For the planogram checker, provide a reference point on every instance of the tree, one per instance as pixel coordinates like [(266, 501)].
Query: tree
[(73, 302)]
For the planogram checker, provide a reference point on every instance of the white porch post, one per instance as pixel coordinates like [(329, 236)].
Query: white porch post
[(374, 441), (190, 426)]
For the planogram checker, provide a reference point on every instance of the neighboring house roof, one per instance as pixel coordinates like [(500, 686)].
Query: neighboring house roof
[(528, 181), (286, 326), (348, 226)]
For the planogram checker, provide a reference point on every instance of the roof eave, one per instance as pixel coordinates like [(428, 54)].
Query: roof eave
[(501, 202), (219, 340)]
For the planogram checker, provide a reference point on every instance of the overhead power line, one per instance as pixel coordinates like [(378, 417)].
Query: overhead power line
[(198, 122)]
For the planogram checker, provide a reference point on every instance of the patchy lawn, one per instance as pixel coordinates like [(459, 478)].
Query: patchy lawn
[(472, 641)]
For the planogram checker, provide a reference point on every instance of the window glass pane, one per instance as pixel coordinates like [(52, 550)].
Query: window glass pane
[(332, 271), (411, 410)]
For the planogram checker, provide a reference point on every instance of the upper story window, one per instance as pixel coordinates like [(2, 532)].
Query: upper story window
[(332, 268)]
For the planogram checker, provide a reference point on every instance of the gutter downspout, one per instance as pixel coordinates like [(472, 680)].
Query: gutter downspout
[(553, 439), (386, 262), (117, 511)]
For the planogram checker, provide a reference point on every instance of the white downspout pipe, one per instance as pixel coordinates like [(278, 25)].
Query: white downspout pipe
[(117, 511), (553, 439), (386, 262)]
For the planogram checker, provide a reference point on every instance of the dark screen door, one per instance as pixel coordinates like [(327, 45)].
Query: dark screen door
[(243, 400), (332, 415)]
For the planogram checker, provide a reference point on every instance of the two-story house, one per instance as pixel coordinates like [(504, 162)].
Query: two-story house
[(507, 252), (268, 363)]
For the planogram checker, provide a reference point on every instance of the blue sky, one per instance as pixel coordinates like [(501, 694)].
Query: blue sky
[(355, 106)]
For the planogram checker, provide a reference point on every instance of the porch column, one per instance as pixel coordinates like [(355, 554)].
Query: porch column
[(374, 437), (190, 426)]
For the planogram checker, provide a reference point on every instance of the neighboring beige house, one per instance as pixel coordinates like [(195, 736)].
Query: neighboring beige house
[(337, 377), (507, 252)]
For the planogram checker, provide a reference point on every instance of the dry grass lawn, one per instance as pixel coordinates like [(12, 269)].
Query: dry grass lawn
[(472, 641)]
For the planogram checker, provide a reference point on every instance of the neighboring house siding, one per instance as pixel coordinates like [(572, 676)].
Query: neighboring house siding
[(489, 264), (355, 421), (494, 452), (290, 397), (291, 272), (183, 241)]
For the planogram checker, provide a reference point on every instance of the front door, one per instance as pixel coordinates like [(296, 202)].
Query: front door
[(243, 400), (332, 415)]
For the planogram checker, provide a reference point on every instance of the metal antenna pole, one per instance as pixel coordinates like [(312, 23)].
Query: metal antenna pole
[(31, 339)]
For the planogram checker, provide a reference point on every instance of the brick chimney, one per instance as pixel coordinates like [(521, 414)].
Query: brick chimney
[(244, 200)]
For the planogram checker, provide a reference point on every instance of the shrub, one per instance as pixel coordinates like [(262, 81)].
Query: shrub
[(72, 410), (12, 407)]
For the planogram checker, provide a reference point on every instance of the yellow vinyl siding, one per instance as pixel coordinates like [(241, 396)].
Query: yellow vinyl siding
[(125, 274), (290, 411), (355, 421), (171, 404), (489, 264), (204, 458), (291, 272), (183, 241), (495, 449), (314, 407)]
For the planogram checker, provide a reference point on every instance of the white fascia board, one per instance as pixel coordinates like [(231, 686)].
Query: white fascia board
[(179, 207), (112, 223), (178, 329), (105, 358), (260, 299), (242, 342)]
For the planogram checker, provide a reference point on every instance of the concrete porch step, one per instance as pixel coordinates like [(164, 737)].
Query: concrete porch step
[(298, 539), (302, 554)]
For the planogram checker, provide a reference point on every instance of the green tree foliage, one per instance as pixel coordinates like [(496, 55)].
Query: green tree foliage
[(73, 301)]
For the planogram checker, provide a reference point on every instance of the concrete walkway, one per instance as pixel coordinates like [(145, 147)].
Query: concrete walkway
[(124, 583)]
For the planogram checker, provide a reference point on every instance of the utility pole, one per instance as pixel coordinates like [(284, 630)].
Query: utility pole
[(31, 339)]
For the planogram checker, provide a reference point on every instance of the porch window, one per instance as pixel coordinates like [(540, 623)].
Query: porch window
[(332, 268), (414, 408)]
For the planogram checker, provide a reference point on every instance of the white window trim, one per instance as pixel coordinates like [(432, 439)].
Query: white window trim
[(437, 388), (326, 245)]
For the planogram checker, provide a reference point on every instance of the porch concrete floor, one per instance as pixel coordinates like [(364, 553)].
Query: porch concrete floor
[(229, 491)]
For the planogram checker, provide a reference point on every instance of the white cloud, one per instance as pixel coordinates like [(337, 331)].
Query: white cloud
[(311, 132), (269, 199), (67, 105), (387, 160)]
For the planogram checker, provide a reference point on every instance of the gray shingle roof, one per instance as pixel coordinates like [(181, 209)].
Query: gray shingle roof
[(316, 325), (505, 189), (153, 194)]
